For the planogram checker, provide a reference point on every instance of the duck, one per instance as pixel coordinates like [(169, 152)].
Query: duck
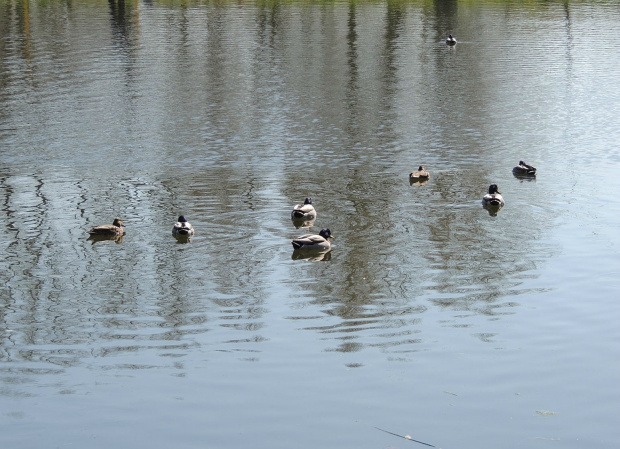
[(420, 174), (314, 242), (493, 198), (451, 40), (524, 169), (304, 211), (116, 228), (182, 227)]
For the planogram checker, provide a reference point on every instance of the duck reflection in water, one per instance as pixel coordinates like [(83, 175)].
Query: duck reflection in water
[(180, 238), (302, 222), (94, 238), (313, 256), (492, 210), (418, 183)]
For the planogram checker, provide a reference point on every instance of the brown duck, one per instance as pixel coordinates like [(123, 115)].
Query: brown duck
[(420, 174), (116, 228)]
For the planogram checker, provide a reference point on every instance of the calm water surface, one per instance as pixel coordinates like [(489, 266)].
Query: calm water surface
[(430, 317)]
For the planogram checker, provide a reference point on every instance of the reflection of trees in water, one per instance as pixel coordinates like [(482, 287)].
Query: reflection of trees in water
[(65, 299), (351, 282), (478, 260), (328, 124), (227, 259), (389, 263), (124, 25)]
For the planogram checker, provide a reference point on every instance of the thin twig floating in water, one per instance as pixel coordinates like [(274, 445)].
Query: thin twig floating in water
[(406, 437)]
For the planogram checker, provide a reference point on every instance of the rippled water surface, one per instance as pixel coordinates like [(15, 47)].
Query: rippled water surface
[(431, 316)]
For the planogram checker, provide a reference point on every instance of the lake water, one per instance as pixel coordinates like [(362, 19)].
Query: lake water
[(430, 318)]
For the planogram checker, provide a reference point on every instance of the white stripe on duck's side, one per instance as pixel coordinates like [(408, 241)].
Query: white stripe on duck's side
[(182, 227)]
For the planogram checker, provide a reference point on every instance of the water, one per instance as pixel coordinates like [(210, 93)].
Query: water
[(430, 317)]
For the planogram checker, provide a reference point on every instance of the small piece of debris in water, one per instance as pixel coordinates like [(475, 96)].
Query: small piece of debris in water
[(546, 412)]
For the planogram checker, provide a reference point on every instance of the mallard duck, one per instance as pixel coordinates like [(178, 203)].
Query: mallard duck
[(494, 197), (182, 227), (304, 211), (524, 169), (451, 40), (116, 228), (313, 241), (420, 174)]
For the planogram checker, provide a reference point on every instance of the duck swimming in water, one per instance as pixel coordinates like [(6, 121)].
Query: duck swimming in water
[(419, 175), (304, 211), (493, 198), (314, 242), (451, 40), (182, 228), (116, 228), (524, 170)]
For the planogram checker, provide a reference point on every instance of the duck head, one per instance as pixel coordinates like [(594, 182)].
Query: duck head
[(182, 219), (118, 222), (326, 234), (308, 201), (493, 189)]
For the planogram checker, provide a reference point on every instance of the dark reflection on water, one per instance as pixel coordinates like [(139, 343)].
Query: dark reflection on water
[(231, 113)]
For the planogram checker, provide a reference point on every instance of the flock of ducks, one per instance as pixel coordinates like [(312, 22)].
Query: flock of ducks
[(304, 215), (182, 230), (493, 199)]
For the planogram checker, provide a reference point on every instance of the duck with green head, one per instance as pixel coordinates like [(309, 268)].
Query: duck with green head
[(182, 228), (494, 198), (313, 242)]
